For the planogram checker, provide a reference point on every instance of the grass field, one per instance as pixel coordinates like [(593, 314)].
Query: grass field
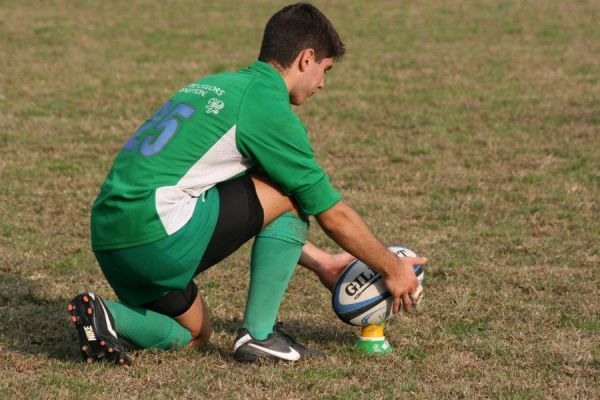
[(466, 130)]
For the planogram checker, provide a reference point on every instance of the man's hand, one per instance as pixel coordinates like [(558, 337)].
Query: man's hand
[(347, 228), (402, 282)]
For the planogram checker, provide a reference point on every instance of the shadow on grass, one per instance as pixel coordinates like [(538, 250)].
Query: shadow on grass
[(320, 335), (33, 325), (320, 332)]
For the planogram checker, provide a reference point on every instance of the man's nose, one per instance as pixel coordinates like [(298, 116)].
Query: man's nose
[(321, 84)]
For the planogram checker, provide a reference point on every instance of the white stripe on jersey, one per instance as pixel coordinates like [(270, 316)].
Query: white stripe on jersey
[(175, 204)]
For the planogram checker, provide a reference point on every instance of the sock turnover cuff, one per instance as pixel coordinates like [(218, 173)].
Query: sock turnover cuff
[(287, 227)]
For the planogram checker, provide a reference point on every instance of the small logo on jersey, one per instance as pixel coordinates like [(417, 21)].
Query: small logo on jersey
[(89, 333), (214, 106)]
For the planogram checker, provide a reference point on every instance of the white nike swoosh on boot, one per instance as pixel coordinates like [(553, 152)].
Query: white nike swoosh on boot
[(241, 341), (109, 325), (291, 355)]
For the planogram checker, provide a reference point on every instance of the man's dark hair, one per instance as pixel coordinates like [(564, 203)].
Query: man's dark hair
[(297, 27)]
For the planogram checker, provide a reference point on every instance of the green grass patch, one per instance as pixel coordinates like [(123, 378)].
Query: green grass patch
[(585, 324), (461, 328)]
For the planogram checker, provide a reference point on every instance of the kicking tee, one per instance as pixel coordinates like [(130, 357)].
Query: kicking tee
[(210, 131)]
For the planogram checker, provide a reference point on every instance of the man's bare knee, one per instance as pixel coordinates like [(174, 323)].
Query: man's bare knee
[(201, 338), (197, 321)]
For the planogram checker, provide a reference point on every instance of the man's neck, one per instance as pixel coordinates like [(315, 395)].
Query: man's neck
[(287, 74)]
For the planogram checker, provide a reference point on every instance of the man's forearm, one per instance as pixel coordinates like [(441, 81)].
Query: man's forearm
[(348, 229)]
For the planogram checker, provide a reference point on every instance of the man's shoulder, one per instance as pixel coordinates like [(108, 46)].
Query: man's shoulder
[(252, 89), (264, 102), (261, 101), (262, 110), (219, 84), (261, 90)]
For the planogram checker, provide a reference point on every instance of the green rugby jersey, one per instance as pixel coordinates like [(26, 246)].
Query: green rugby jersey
[(210, 131)]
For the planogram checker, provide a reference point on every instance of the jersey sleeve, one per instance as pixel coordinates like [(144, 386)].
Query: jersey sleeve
[(272, 135)]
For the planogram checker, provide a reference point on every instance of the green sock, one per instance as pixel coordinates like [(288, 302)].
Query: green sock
[(275, 253), (147, 329)]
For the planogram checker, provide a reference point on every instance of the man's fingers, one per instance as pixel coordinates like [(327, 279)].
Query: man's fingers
[(416, 296), (396, 305), (407, 300), (406, 303), (420, 260)]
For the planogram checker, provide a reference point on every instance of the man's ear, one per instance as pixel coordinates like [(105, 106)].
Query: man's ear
[(305, 58)]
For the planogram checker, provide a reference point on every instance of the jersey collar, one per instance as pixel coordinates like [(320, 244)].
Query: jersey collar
[(268, 71)]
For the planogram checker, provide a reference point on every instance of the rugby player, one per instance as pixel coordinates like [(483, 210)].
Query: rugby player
[(224, 160)]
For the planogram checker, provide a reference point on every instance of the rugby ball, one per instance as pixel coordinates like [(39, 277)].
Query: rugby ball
[(361, 297)]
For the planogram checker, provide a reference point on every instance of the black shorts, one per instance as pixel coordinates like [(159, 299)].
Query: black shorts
[(240, 218)]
